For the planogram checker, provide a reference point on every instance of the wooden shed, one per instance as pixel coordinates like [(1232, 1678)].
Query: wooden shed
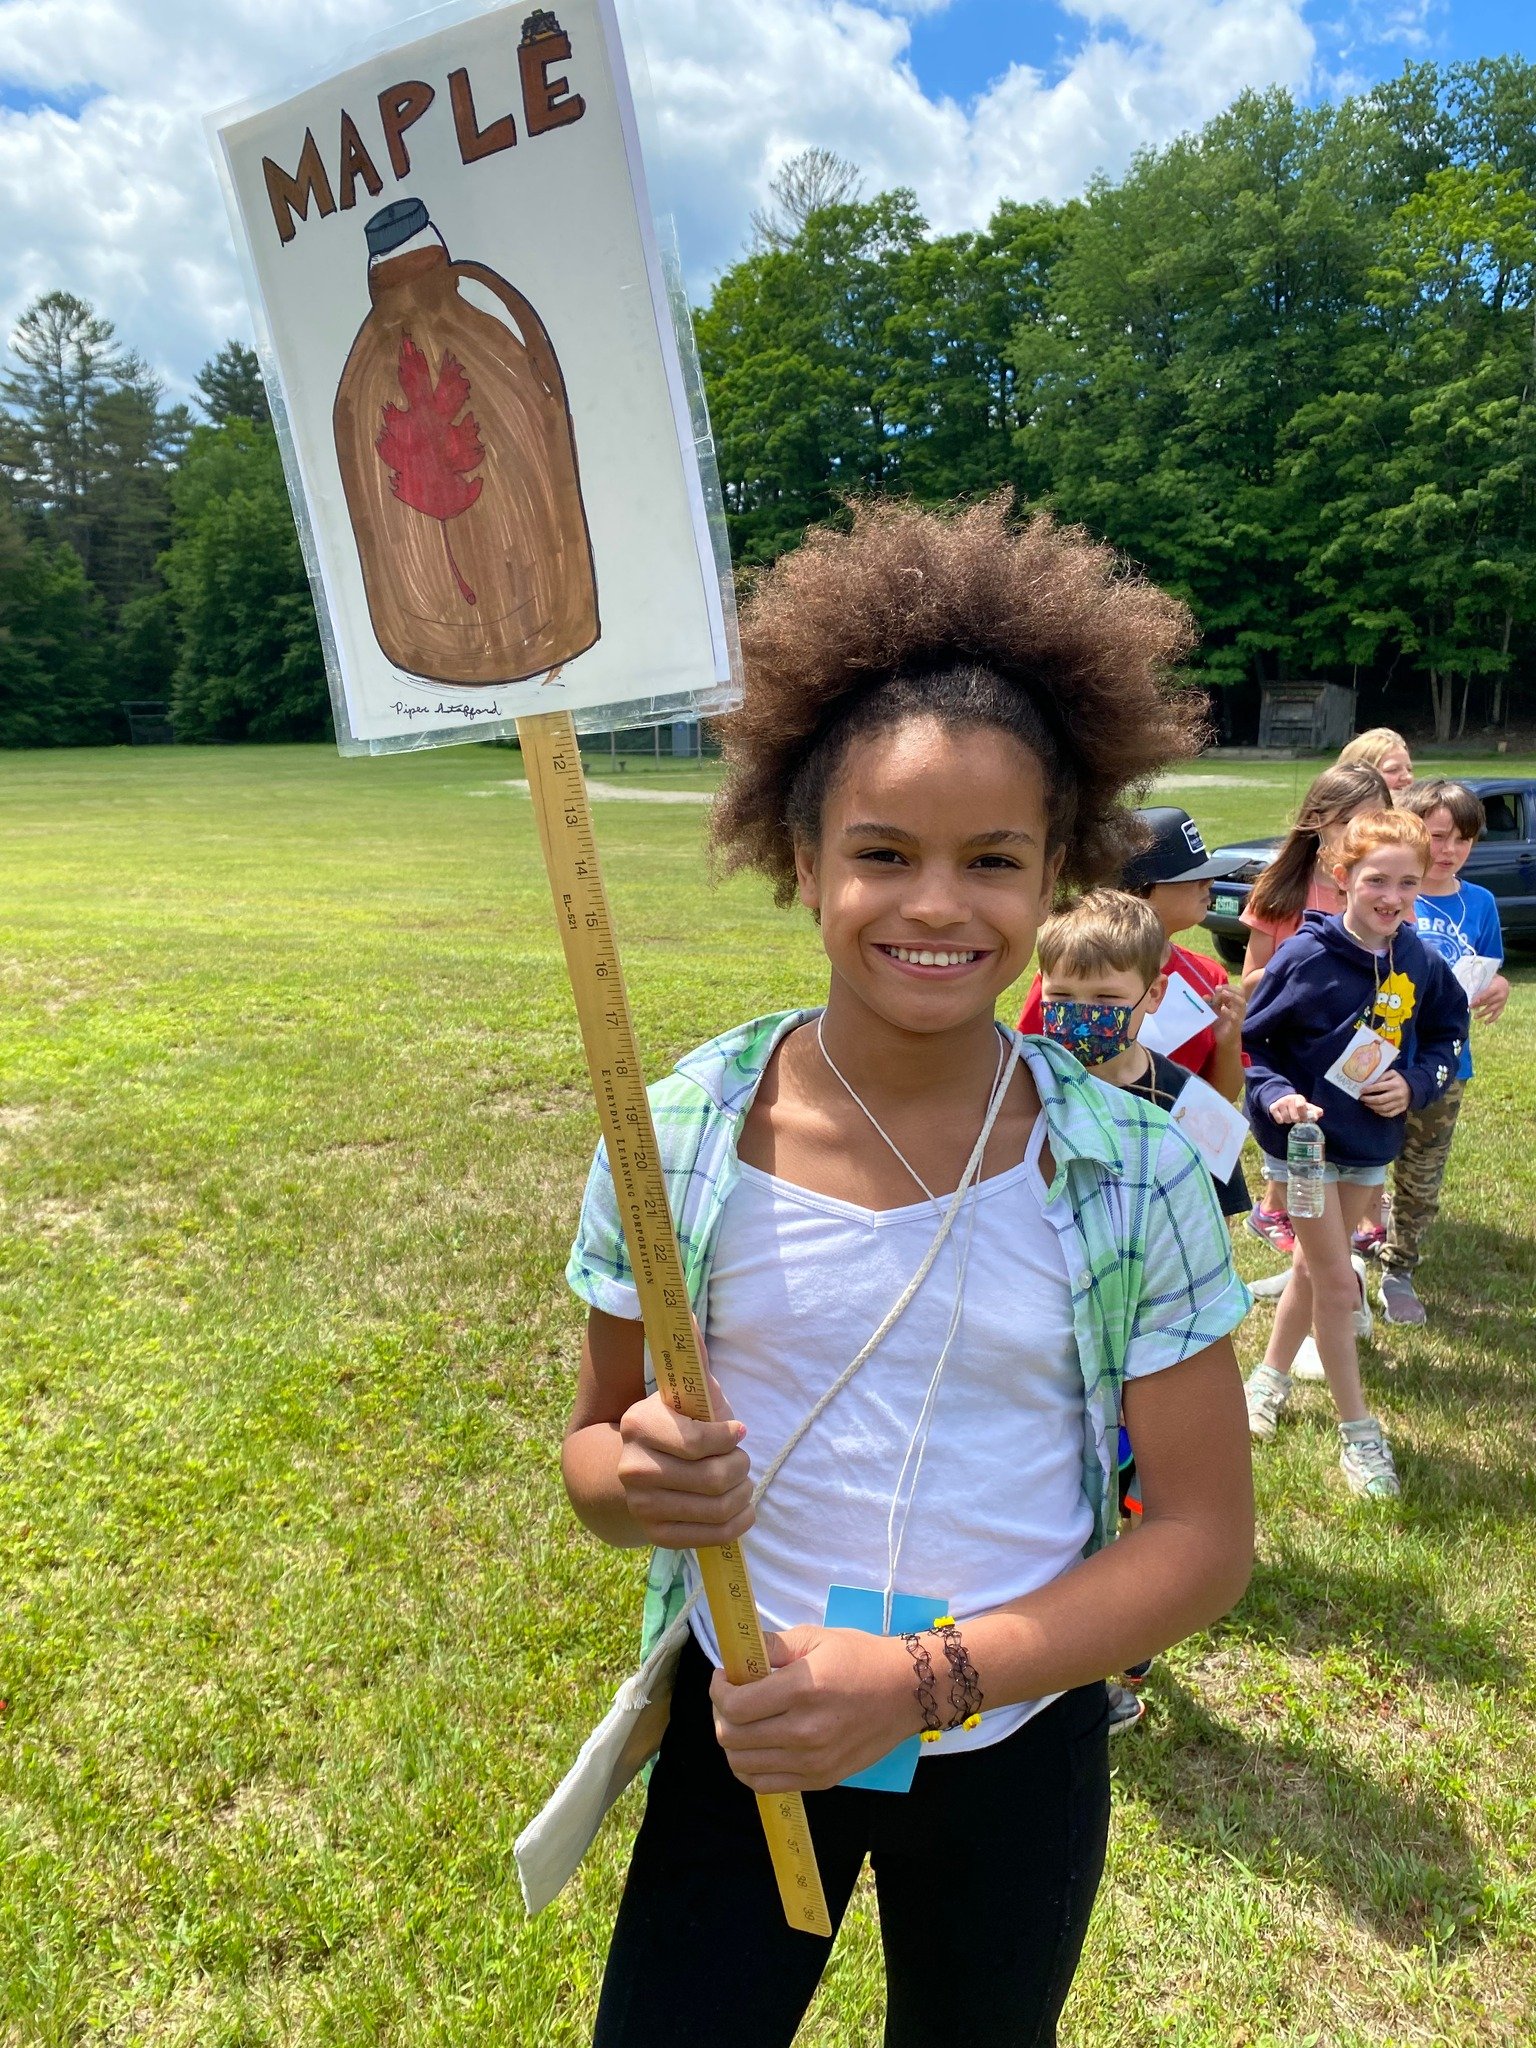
[(1313, 718)]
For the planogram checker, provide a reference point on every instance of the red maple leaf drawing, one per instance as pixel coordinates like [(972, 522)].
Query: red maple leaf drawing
[(427, 452)]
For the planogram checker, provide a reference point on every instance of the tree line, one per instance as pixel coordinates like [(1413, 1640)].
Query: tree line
[(145, 557), (1287, 364)]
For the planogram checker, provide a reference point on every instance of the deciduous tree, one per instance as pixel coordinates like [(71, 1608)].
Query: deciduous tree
[(250, 666)]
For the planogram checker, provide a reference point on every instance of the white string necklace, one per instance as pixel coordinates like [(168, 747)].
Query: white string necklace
[(1457, 919), (905, 1493), (865, 1352), (857, 1098)]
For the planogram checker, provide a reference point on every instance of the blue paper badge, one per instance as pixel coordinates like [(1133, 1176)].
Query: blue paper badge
[(863, 1608)]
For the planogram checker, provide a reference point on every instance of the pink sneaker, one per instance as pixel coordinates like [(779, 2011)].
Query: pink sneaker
[(1274, 1226), (1368, 1240)]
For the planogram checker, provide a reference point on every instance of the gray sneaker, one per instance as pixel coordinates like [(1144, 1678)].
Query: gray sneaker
[(1266, 1392), (1399, 1303), (1366, 1460)]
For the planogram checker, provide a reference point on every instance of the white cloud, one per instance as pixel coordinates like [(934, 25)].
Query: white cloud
[(121, 204)]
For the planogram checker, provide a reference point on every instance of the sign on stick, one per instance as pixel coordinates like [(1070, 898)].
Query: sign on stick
[(484, 407)]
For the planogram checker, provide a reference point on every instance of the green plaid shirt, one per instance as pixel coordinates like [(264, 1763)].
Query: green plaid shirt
[(1146, 1247)]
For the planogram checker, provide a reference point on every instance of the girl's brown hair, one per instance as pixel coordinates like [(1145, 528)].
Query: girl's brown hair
[(1363, 834), (970, 618), (1280, 892)]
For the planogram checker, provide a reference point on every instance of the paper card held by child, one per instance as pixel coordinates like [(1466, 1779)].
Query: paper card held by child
[(1215, 1127), (1474, 971), (1364, 1060), (489, 418), (1176, 1019)]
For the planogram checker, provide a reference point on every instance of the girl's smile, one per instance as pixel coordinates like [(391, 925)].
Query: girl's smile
[(929, 961)]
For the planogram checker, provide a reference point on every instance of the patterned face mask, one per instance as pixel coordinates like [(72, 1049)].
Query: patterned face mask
[(1091, 1032)]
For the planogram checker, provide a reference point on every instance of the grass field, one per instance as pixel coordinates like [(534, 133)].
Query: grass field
[(295, 1625)]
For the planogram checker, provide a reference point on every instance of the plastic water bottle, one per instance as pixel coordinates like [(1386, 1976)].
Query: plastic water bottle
[(1304, 1182)]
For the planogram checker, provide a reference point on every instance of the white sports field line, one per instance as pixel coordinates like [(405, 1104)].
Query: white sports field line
[(619, 792), (632, 793)]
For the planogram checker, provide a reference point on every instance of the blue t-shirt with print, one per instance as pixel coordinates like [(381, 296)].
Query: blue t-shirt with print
[(1456, 927)]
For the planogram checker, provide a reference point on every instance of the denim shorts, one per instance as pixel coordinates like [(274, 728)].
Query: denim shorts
[(1357, 1176)]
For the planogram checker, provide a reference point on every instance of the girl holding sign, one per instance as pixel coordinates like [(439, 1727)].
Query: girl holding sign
[(1355, 1024), (940, 716)]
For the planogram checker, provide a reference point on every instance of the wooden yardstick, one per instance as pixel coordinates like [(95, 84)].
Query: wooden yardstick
[(560, 804)]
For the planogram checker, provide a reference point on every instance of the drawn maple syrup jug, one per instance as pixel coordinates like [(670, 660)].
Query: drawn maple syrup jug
[(458, 459)]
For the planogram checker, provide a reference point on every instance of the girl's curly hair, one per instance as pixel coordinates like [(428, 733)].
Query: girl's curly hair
[(971, 618)]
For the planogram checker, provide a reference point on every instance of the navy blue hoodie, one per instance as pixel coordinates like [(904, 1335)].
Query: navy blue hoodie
[(1318, 987)]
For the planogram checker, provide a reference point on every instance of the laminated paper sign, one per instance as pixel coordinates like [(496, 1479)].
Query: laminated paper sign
[(483, 402), (1364, 1060), (1176, 1019)]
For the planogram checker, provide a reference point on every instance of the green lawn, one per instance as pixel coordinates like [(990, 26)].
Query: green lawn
[(295, 1626)]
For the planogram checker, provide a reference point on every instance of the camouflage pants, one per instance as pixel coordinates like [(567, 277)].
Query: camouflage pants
[(1417, 1176)]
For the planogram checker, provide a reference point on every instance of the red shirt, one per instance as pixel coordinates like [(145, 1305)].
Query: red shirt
[(1201, 972)]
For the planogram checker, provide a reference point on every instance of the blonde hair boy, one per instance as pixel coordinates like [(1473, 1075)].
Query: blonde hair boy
[(1105, 930)]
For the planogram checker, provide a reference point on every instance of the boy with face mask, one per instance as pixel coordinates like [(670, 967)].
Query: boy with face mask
[(1173, 873), (1101, 972)]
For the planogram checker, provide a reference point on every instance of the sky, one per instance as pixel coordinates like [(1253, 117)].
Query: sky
[(107, 188)]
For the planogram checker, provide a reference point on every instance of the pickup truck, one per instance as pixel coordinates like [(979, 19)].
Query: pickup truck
[(1502, 862)]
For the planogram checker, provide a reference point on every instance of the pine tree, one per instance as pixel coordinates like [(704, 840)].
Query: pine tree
[(69, 360), (86, 444), (232, 387)]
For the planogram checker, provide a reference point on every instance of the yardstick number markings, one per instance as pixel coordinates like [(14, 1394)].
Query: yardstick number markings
[(558, 787)]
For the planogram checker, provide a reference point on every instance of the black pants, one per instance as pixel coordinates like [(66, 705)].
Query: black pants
[(985, 1871)]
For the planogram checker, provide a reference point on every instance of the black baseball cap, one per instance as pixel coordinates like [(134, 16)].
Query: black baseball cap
[(1177, 853)]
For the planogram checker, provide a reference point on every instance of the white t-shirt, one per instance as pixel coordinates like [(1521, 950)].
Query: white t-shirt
[(798, 1284)]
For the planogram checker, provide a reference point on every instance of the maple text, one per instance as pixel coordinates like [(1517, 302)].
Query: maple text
[(547, 103)]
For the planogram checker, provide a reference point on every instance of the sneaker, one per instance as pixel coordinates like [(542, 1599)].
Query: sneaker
[(1366, 1460), (1365, 1322), (1270, 1288), (1368, 1240), (1266, 1392), (1307, 1364), (1126, 1708), (1399, 1303), (1274, 1226), (1135, 1675)]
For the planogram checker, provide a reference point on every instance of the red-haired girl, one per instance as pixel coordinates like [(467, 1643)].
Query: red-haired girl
[(1364, 970)]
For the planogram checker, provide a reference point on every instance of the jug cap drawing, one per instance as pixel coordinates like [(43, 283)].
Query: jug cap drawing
[(394, 224)]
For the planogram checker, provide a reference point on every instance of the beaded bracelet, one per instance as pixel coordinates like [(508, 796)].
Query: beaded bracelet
[(927, 1694), (965, 1694)]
